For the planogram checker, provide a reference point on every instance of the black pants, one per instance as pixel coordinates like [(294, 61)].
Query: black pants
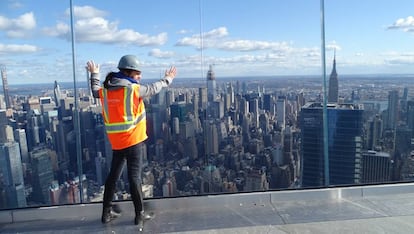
[(133, 158)]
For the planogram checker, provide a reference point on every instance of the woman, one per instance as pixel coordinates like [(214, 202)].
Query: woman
[(123, 111)]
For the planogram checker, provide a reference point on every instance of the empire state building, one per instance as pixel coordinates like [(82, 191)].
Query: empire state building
[(333, 85)]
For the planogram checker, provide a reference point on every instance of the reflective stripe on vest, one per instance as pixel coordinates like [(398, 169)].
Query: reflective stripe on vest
[(131, 120)]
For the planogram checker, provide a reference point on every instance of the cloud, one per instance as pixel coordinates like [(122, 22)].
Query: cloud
[(91, 27), (161, 54), (85, 12), (216, 33), (400, 61), (209, 38), (312, 54), (218, 39), (263, 55), (17, 49), (18, 27), (333, 46), (183, 31), (397, 58), (407, 24), (15, 4), (189, 41), (250, 45), (59, 30), (98, 29)]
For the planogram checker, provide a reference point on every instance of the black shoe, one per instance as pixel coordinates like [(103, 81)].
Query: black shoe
[(108, 215), (139, 219), (140, 222)]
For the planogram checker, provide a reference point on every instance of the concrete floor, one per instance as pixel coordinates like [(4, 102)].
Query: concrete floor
[(365, 209)]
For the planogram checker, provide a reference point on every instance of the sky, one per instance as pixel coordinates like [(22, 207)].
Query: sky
[(238, 38)]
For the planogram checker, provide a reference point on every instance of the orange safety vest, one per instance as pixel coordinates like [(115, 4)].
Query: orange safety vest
[(124, 116)]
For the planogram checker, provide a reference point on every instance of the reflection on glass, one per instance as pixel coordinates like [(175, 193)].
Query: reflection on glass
[(251, 122)]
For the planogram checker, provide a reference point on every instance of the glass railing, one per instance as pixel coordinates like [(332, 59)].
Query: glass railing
[(273, 95)]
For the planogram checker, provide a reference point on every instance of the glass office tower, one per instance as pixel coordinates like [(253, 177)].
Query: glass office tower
[(344, 144), (11, 174)]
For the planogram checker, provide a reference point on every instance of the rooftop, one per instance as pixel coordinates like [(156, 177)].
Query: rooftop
[(363, 209)]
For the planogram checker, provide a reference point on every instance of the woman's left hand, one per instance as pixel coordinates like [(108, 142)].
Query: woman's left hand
[(92, 67), (172, 72)]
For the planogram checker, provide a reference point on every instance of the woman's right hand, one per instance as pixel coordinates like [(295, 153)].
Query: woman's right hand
[(172, 72)]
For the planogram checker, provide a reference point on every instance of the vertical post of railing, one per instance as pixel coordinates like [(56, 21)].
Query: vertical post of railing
[(325, 111), (201, 39), (206, 163), (76, 121)]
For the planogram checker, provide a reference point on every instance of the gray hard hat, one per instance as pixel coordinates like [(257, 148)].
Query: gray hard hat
[(129, 62)]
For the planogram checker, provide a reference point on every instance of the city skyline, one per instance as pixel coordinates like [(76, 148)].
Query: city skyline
[(272, 38), (248, 138)]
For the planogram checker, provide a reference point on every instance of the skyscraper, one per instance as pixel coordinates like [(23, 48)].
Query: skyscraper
[(374, 132), (12, 171), (345, 127), (6, 131), (268, 102), (196, 120), (211, 84), (410, 114), (57, 93), (281, 112), (180, 110), (156, 118), (377, 167), (211, 138), (100, 168), (216, 109), (202, 98), (42, 175), (20, 137), (5, 87), (254, 109), (264, 123), (393, 108), (256, 180), (230, 91), (333, 85)]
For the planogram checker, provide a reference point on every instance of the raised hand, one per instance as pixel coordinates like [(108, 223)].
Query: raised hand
[(92, 67), (172, 72)]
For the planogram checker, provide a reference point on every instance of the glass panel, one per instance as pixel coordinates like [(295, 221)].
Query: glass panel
[(369, 46), (245, 137), (227, 124)]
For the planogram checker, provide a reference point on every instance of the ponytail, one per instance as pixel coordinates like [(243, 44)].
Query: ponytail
[(107, 79)]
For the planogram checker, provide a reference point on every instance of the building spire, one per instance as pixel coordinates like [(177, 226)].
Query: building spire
[(334, 64), (333, 83)]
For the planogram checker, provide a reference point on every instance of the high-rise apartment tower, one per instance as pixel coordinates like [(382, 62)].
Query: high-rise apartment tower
[(5, 87)]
